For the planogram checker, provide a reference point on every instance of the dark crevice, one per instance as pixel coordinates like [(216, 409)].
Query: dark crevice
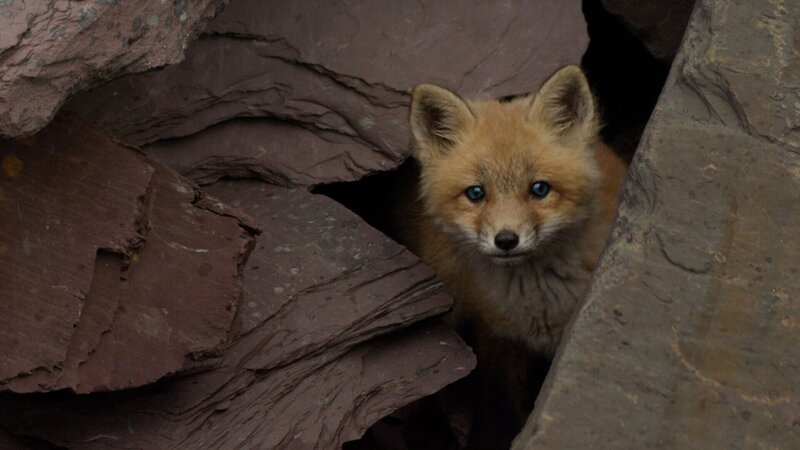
[(21, 441), (377, 198), (625, 78)]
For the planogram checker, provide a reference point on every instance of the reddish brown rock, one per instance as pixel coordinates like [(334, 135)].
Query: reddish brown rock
[(114, 275), (278, 152), (337, 72), (307, 370), (315, 403), (319, 276), (58, 211), (50, 50)]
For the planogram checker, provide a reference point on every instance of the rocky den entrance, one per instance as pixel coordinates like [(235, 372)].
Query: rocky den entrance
[(196, 246)]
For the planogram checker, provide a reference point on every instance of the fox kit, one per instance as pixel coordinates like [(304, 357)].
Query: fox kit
[(517, 200)]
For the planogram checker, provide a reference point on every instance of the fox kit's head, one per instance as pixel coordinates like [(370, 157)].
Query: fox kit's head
[(508, 181)]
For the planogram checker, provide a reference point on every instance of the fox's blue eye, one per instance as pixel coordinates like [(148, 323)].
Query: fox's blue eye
[(540, 189), (475, 193)]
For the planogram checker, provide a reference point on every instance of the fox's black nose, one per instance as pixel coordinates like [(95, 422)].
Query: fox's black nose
[(506, 240)]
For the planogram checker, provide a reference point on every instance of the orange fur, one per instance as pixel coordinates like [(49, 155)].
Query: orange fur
[(529, 293)]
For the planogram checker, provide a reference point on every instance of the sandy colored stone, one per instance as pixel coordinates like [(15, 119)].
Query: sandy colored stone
[(688, 336)]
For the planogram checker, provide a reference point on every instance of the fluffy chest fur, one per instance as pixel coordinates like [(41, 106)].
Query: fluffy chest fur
[(531, 302)]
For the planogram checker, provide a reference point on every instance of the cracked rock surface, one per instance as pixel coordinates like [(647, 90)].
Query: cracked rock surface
[(688, 336), (318, 402), (50, 50), (317, 357), (114, 273), (325, 87)]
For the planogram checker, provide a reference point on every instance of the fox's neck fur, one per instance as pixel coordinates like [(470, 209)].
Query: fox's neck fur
[(533, 301)]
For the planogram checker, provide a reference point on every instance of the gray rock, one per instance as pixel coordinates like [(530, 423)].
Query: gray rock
[(688, 336), (50, 50), (339, 73)]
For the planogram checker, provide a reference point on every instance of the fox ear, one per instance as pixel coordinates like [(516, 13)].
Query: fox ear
[(438, 117), (566, 104)]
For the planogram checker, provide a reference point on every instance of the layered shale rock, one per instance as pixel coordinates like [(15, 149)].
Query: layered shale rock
[(114, 272), (49, 49), (125, 277), (688, 337), (300, 94), (306, 369), (315, 403)]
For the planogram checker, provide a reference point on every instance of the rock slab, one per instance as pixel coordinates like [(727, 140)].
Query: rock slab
[(114, 273), (303, 93), (688, 336), (49, 50), (332, 337)]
